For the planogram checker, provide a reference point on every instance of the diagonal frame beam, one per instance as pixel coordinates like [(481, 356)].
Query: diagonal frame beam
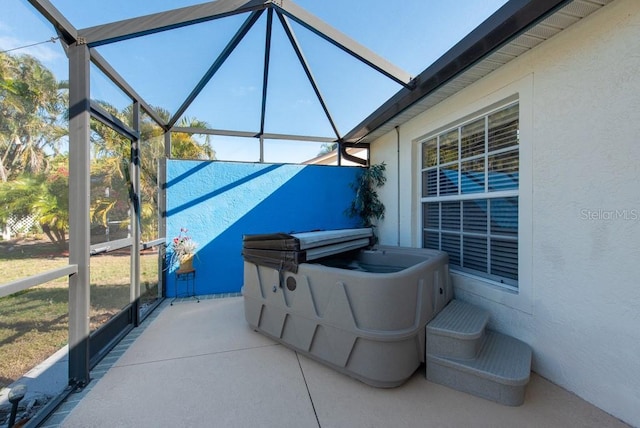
[(305, 65), (176, 18), (102, 115), (343, 42), (233, 43), (163, 21), (64, 28), (104, 66), (265, 73)]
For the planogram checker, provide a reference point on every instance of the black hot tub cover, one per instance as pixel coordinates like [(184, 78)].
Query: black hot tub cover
[(286, 251)]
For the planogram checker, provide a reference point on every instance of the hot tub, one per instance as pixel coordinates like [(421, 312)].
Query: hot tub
[(362, 312)]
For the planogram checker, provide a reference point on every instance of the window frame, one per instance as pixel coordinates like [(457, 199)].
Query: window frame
[(455, 132)]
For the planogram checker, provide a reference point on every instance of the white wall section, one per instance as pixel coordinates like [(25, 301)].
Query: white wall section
[(578, 303)]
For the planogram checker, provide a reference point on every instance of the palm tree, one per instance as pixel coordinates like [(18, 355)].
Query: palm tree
[(44, 195), (185, 146), (32, 103), (52, 204), (110, 166), (110, 175), (33, 124)]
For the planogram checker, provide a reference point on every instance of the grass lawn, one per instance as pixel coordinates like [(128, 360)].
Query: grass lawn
[(34, 322)]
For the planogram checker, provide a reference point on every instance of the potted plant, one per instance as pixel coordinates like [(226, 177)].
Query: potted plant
[(183, 249), (366, 203)]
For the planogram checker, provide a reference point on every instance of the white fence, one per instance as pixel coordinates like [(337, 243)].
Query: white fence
[(20, 225)]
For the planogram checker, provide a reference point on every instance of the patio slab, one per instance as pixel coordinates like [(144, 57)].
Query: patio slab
[(189, 328), (341, 401), (199, 364)]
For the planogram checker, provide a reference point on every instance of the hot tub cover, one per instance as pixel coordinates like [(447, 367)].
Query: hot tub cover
[(286, 251)]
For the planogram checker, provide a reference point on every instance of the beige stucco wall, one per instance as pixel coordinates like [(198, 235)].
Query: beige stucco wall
[(579, 300)]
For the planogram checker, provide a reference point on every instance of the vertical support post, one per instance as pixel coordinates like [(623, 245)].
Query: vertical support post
[(162, 209), (79, 197), (398, 177), (261, 148), (339, 150), (135, 218), (167, 144)]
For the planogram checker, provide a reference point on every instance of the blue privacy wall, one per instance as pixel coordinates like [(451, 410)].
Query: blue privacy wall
[(218, 202)]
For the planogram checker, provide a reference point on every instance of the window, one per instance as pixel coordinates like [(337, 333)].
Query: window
[(470, 194)]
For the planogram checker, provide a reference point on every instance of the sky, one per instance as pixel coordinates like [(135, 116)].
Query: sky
[(165, 67)]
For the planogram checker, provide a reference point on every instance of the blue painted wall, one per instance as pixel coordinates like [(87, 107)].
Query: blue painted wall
[(218, 202)]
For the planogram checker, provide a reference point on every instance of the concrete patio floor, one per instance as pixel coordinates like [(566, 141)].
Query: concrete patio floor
[(199, 364)]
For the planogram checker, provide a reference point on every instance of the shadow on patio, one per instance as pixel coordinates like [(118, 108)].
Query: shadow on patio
[(199, 364)]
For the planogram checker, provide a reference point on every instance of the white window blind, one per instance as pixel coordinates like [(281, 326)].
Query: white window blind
[(470, 194)]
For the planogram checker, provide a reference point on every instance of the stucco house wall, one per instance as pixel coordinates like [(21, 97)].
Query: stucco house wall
[(578, 303)]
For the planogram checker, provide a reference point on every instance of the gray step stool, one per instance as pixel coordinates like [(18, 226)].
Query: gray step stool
[(462, 354)]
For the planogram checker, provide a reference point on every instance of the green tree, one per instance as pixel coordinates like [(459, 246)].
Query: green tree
[(44, 195), (186, 146), (183, 146), (32, 103), (110, 174), (52, 204), (151, 152), (33, 128), (110, 166)]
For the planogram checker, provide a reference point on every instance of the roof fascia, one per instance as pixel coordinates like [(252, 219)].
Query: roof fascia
[(508, 22)]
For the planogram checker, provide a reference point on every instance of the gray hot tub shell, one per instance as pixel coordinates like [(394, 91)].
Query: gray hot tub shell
[(368, 325)]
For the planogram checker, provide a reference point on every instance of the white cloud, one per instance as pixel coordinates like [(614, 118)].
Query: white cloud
[(242, 91)]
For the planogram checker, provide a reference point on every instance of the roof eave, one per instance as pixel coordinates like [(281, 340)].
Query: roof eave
[(511, 20)]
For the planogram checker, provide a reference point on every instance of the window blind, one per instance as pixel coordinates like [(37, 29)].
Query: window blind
[(470, 194)]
